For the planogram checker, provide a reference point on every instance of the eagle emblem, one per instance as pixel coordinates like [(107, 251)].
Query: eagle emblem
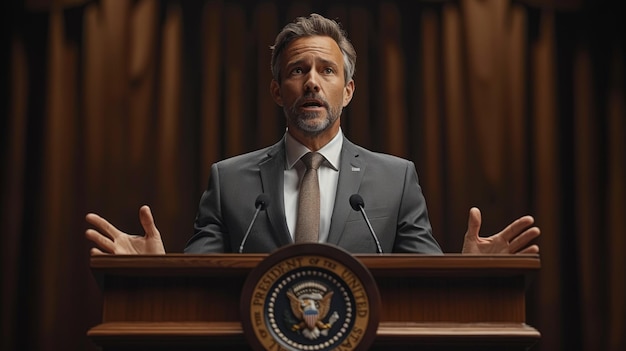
[(310, 304)]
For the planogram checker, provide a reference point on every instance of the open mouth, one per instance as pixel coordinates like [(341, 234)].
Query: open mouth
[(314, 103)]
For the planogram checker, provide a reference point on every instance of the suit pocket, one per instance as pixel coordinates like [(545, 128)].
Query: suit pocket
[(374, 213), (357, 238)]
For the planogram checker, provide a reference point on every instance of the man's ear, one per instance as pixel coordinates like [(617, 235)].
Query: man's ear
[(348, 92), (275, 91)]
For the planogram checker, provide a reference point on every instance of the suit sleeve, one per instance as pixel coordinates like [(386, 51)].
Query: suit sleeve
[(414, 232), (210, 233)]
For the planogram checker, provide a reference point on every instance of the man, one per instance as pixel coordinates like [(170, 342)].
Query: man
[(312, 65)]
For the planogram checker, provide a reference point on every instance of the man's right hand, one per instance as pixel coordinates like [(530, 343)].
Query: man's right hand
[(110, 240)]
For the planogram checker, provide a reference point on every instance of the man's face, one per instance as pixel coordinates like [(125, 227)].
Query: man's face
[(312, 91)]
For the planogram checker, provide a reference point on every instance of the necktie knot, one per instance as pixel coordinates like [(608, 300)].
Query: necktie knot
[(312, 160)]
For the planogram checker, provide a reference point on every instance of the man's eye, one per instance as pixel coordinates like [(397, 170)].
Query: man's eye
[(329, 70), (297, 70)]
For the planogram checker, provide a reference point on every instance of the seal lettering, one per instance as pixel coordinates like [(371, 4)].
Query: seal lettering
[(258, 319), (331, 265)]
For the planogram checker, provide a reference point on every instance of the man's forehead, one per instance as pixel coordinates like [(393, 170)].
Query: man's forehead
[(314, 45)]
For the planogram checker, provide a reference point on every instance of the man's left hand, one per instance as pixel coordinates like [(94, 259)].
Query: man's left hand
[(515, 238)]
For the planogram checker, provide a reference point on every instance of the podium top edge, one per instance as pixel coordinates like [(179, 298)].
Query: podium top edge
[(374, 262)]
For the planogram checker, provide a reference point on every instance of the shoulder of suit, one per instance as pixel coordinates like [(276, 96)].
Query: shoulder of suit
[(374, 156), (252, 157)]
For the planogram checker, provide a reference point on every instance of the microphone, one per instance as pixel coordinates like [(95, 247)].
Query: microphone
[(261, 203), (357, 203)]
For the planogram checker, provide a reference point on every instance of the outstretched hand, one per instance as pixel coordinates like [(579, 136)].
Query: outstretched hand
[(110, 240), (515, 238)]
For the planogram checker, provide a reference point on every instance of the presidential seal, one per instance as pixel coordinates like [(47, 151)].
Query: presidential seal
[(310, 297)]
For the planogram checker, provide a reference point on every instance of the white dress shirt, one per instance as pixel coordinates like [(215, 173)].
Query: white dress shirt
[(328, 174)]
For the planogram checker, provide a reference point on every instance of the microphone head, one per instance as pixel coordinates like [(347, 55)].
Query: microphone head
[(263, 200), (356, 201)]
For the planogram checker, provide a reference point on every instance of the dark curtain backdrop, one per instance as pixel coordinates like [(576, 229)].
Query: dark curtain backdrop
[(517, 107)]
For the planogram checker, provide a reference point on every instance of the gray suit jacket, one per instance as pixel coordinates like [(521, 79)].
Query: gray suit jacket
[(389, 186)]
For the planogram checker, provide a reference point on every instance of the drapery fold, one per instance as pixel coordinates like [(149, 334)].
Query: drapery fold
[(516, 107)]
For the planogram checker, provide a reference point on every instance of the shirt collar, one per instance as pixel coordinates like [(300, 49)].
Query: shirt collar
[(330, 151)]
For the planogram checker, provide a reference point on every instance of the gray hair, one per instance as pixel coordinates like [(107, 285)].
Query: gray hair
[(311, 26)]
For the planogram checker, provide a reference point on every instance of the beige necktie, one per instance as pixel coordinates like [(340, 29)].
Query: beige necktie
[(308, 222)]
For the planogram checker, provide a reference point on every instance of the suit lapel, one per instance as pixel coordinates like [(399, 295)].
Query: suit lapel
[(272, 177), (351, 172)]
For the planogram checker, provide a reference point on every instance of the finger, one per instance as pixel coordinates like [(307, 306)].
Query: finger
[(100, 240), (473, 223), (523, 239), (147, 222), (517, 227), (97, 252), (103, 225), (532, 249)]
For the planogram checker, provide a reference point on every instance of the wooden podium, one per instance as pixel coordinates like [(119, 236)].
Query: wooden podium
[(191, 302)]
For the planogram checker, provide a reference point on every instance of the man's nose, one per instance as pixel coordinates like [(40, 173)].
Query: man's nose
[(312, 83)]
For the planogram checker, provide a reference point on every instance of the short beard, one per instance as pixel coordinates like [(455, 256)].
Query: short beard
[(299, 120)]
